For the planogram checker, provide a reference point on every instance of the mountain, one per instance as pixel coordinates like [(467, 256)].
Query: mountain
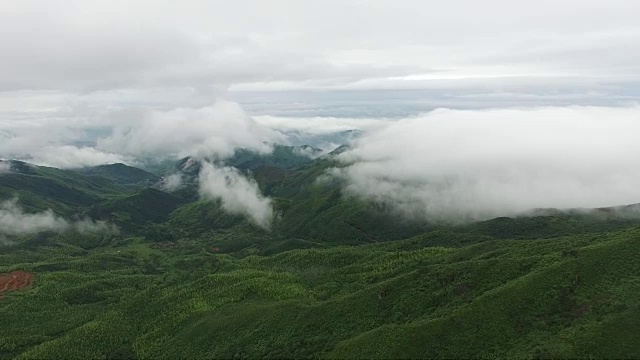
[(122, 174), (65, 191), (334, 277), (284, 157), (146, 206), (339, 150)]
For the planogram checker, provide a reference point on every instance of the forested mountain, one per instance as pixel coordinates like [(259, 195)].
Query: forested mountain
[(174, 275)]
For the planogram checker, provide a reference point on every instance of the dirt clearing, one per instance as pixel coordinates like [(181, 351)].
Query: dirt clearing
[(15, 280)]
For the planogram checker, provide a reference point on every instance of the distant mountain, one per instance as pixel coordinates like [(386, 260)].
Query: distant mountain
[(339, 150), (264, 166), (285, 157), (65, 191), (122, 174)]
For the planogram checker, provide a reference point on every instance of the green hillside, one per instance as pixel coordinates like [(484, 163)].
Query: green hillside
[(335, 277), (282, 156), (146, 206), (122, 174), (65, 191)]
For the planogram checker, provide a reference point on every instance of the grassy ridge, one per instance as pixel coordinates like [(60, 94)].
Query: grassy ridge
[(553, 298), (336, 277)]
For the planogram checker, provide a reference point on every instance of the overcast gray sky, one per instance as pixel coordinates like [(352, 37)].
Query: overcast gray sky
[(80, 45)]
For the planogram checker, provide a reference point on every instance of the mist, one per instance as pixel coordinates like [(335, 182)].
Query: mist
[(237, 194), (94, 136), (15, 221), (5, 167), (452, 165), (172, 182), (215, 130), (70, 157)]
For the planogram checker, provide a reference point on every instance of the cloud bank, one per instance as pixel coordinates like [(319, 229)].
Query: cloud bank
[(14, 221), (94, 137), (474, 165), (237, 194), (69, 156)]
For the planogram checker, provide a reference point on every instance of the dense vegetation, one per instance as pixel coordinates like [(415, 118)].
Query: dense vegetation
[(335, 277)]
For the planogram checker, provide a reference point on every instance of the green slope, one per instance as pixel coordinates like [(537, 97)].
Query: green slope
[(146, 206), (64, 191), (561, 297), (335, 277), (122, 174)]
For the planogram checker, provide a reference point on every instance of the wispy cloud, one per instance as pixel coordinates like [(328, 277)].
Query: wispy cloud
[(237, 193), (5, 167), (69, 156), (210, 131), (15, 221), (172, 182), (131, 135)]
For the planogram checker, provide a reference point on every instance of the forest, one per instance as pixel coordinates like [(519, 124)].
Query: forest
[(168, 274)]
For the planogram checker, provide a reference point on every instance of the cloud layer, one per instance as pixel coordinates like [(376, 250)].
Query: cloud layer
[(14, 221), (70, 156), (78, 46), (93, 137), (472, 165), (237, 193)]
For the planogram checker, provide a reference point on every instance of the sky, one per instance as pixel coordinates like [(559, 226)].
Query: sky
[(84, 83), (210, 46), (78, 74)]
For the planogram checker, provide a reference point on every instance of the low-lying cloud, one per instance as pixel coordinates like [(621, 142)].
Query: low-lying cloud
[(92, 137), (5, 167), (14, 221), (456, 165), (172, 182), (236, 193), (69, 156), (209, 131)]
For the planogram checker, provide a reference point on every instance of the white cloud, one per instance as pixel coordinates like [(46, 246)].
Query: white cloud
[(86, 47), (75, 70), (310, 126), (78, 46), (210, 131), (14, 221), (68, 156), (237, 194), (172, 182), (89, 226), (473, 165), (5, 167), (87, 136)]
